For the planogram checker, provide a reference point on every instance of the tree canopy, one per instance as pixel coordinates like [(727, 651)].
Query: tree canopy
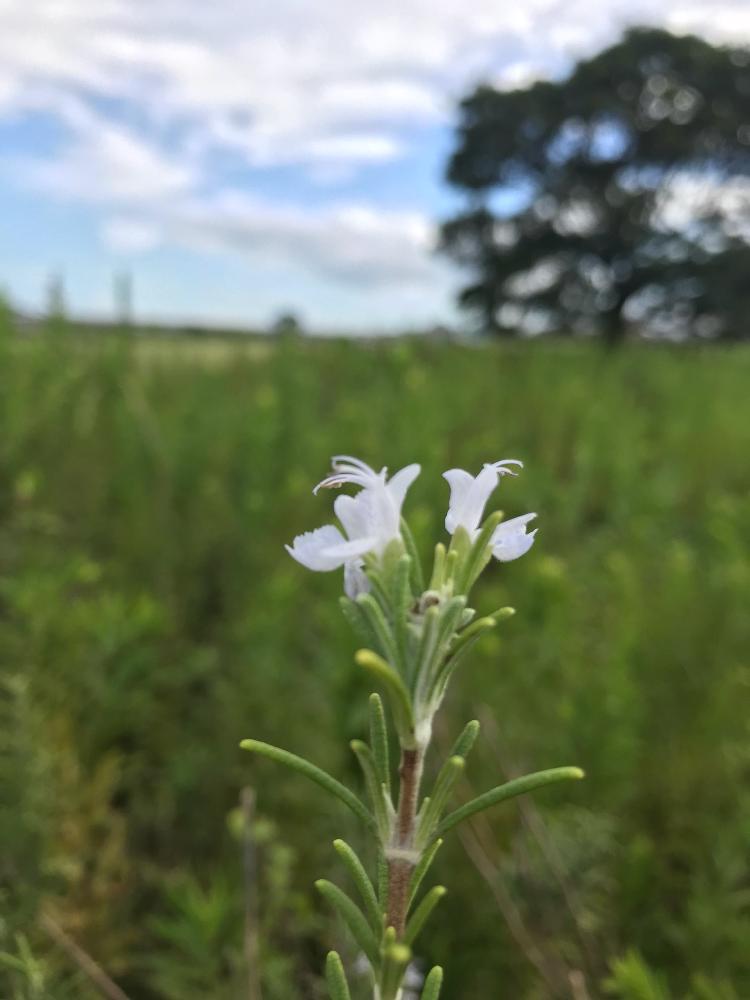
[(617, 198)]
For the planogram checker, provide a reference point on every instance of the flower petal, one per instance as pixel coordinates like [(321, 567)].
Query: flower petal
[(376, 510), (466, 508), (343, 550), (313, 548), (354, 514), (460, 483), (400, 482), (510, 539)]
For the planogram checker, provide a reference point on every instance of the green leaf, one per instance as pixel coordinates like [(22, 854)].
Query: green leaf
[(466, 740), (438, 568), (463, 644), (422, 867), (377, 621), (472, 632), (417, 577), (316, 774), (379, 589), (445, 782), (452, 560), (427, 644), (450, 616), (382, 880), (397, 691), (390, 557), (460, 548), (362, 881), (433, 983), (632, 979), (422, 913), (379, 740), (396, 957), (503, 613), (375, 789), (401, 599), (352, 916), (479, 554), (519, 786), (336, 978), (12, 962), (358, 621)]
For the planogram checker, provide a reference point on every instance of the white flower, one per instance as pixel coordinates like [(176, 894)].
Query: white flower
[(326, 548), (469, 496), (510, 540), (371, 520)]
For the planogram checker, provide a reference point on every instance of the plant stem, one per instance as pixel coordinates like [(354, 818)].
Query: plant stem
[(250, 865), (400, 868)]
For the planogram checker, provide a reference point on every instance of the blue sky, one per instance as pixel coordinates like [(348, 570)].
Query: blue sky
[(241, 159)]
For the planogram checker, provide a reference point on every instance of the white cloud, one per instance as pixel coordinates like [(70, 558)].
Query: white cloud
[(349, 243), (292, 82), (131, 235), (151, 93), (106, 164)]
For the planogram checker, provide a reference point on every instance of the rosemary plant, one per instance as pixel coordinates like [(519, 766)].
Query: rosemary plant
[(416, 632)]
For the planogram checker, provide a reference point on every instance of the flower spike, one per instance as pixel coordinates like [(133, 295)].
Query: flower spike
[(415, 639)]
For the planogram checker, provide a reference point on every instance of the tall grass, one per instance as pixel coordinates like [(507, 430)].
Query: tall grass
[(150, 619)]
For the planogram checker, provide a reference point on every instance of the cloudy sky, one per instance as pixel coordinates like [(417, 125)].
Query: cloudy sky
[(242, 157)]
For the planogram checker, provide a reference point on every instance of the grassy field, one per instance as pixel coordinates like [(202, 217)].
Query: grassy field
[(150, 619)]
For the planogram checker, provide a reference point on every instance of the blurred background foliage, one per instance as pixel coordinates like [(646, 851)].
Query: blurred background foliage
[(150, 619)]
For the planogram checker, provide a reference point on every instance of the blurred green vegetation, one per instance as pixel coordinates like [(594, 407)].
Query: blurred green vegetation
[(150, 619)]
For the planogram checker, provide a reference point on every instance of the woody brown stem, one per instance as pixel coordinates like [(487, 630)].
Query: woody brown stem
[(400, 868)]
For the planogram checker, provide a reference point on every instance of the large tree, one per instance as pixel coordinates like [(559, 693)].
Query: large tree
[(616, 198)]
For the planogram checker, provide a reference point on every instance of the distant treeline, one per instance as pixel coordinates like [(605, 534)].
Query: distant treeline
[(615, 200)]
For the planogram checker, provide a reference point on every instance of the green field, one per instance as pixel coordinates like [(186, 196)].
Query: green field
[(150, 619)]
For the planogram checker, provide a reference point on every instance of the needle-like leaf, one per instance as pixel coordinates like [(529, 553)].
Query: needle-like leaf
[(438, 571), (519, 786), (377, 621), (379, 740), (466, 740), (422, 913), (316, 774), (423, 866), (375, 789), (352, 916), (359, 621), (479, 554), (335, 977), (397, 691), (445, 782), (417, 576), (362, 881), (432, 984), (396, 956)]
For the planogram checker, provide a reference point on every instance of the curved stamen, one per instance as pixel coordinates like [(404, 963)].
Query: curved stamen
[(500, 467), (340, 461), (349, 470)]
